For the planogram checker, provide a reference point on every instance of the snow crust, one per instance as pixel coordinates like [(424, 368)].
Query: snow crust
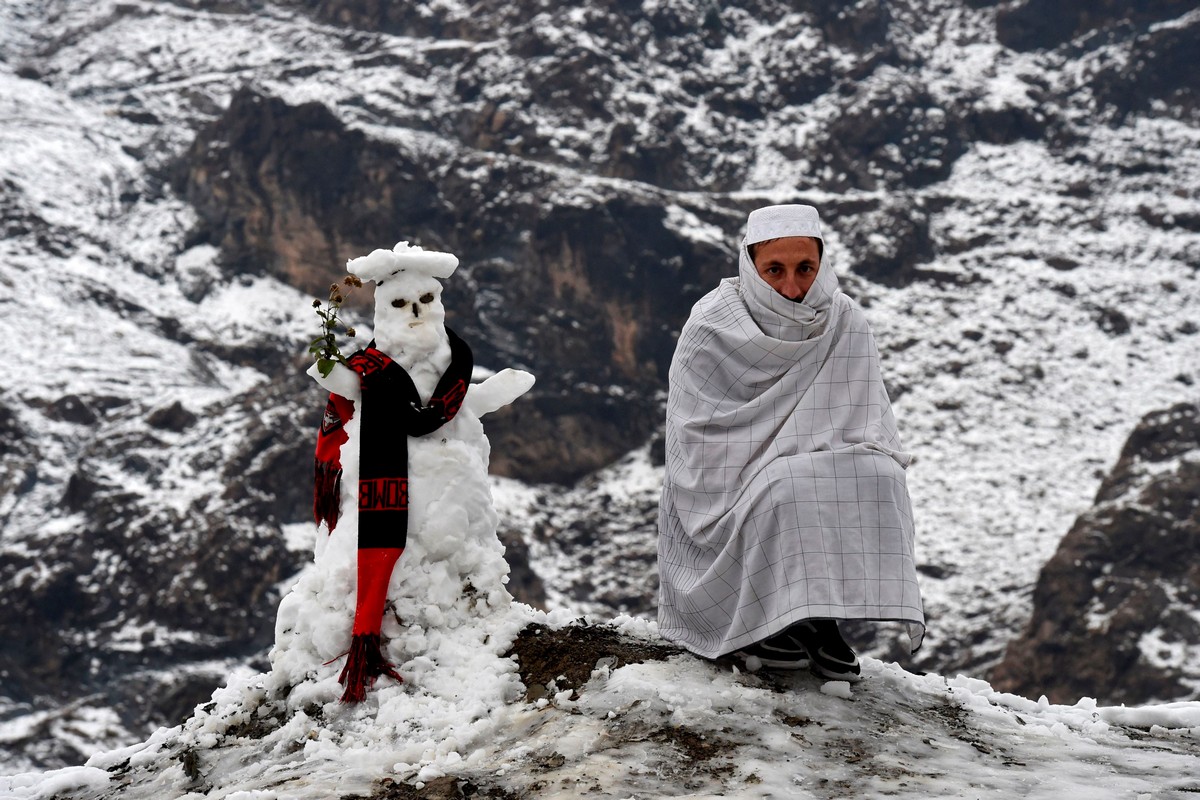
[(461, 712)]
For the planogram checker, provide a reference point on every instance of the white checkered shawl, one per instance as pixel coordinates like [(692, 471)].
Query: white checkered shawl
[(784, 496)]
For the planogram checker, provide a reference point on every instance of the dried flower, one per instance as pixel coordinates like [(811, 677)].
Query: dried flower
[(324, 347)]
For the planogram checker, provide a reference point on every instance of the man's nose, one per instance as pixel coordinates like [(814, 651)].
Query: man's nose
[(791, 288)]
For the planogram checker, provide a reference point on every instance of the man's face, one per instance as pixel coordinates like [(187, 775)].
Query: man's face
[(789, 265)]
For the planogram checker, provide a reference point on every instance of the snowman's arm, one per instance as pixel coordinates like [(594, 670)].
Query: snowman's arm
[(497, 391), (341, 380)]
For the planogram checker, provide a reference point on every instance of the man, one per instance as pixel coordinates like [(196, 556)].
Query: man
[(784, 505)]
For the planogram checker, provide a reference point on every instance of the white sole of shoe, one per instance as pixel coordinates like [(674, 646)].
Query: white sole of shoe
[(792, 665), (773, 663)]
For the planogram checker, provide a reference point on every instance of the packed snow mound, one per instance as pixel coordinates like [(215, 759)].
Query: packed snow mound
[(437, 514), (648, 721), (452, 572)]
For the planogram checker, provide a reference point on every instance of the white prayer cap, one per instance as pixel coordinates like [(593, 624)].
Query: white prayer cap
[(776, 222), (403, 259)]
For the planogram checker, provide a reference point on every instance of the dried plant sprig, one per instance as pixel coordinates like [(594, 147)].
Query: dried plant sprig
[(324, 348)]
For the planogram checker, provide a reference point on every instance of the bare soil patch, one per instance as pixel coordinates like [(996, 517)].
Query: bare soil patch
[(567, 656), (445, 788)]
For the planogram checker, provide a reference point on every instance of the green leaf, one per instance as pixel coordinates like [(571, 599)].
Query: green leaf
[(324, 366)]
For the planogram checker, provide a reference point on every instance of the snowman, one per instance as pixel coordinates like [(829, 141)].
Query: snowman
[(401, 471)]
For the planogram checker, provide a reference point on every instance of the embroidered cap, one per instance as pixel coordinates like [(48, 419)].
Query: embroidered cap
[(776, 222)]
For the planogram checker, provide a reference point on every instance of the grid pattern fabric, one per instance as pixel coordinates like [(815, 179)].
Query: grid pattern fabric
[(784, 497)]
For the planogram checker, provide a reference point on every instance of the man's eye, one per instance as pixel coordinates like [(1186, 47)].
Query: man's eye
[(399, 303), (426, 299)]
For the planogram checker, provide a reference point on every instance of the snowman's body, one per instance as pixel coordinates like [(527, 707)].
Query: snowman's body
[(453, 562)]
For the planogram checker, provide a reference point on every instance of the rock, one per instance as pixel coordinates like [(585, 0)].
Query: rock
[(598, 286), (1114, 611), (17, 219), (889, 134), (293, 190), (1043, 24), (174, 417), (18, 460), (1158, 69), (889, 237)]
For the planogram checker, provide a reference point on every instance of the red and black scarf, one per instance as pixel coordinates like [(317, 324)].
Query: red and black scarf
[(390, 412)]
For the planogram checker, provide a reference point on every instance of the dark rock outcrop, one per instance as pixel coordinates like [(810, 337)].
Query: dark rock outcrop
[(290, 192), (1116, 605), (1041, 24), (587, 289), (18, 460), (1160, 69), (140, 587), (586, 294)]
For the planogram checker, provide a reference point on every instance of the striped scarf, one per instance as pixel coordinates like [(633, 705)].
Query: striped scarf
[(391, 411)]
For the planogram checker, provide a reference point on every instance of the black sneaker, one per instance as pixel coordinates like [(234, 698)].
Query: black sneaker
[(781, 651), (831, 657)]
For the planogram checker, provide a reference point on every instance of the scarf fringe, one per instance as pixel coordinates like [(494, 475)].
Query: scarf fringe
[(327, 494), (363, 666)]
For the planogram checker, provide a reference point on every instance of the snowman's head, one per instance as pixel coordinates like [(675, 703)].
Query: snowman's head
[(408, 291), (409, 301)]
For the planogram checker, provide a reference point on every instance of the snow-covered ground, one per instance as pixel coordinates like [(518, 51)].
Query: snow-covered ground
[(682, 727)]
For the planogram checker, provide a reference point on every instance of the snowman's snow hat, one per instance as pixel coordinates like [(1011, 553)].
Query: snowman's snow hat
[(400, 260)]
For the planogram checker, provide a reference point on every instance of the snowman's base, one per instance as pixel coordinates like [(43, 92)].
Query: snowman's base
[(364, 664)]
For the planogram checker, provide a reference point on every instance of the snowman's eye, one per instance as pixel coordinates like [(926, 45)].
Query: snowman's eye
[(427, 298), (399, 302)]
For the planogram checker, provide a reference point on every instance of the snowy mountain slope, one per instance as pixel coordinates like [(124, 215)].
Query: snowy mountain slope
[(637, 726), (1021, 225), (125, 409), (1126, 561)]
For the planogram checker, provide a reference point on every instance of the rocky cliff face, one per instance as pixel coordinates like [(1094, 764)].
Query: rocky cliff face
[(1115, 610), (586, 285), (292, 192), (209, 565)]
